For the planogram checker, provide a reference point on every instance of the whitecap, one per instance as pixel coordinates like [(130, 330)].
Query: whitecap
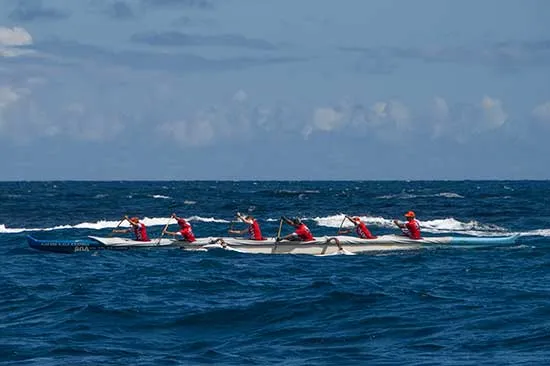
[(161, 196)]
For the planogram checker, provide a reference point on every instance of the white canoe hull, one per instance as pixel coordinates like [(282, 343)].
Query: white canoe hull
[(163, 242), (320, 246), (346, 244)]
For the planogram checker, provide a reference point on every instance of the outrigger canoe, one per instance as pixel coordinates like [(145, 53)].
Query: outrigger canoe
[(319, 246)]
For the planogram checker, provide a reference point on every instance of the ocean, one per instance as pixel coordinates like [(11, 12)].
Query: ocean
[(162, 306)]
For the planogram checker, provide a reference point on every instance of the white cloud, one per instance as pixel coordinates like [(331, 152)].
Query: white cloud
[(14, 52), (8, 97), (494, 114), (542, 112), (384, 118), (378, 110), (10, 38), (196, 133), (24, 119), (392, 112), (15, 36), (441, 115), (240, 96), (399, 114), (461, 122), (327, 119), (440, 109), (84, 123), (261, 116)]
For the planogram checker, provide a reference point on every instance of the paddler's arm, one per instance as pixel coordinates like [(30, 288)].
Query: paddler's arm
[(399, 225), (346, 231), (121, 231), (133, 224), (244, 219), (287, 220)]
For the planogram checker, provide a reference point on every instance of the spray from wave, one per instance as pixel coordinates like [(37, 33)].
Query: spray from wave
[(437, 226), (106, 224)]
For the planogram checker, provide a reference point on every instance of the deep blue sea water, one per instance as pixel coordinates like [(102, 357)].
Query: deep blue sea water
[(436, 306)]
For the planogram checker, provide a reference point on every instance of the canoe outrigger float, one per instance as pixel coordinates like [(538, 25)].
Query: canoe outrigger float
[(320, 246)]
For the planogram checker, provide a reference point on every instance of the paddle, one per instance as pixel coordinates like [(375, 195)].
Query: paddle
[(164, 230), (237, 215), (280, 228), (342, 224), (120, 223)]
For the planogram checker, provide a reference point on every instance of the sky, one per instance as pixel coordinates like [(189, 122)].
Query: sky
[(284, 90)]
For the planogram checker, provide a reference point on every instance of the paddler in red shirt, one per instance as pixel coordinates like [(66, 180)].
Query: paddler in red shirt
[(411, 228), (360, 228), (301, 233), (139, 229), (254, 232), (185, 233)]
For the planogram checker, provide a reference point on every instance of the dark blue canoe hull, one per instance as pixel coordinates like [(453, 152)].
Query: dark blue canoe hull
[(65, 246)]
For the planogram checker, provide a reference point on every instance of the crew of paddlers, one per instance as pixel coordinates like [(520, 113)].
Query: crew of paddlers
[(410, 228)]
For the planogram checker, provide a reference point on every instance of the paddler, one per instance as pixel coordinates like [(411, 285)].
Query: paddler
[(301, 232), (254, 232), (139, 229), (360, 228), (411, 228), (185, 233)]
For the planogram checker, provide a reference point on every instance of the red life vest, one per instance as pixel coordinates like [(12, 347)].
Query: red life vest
[(254, 231), (187, 234), (413, 228), (302, 231), (363, 232), (140, 231)]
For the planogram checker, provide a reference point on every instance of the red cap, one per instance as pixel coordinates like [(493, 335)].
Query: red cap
[(410, 214)]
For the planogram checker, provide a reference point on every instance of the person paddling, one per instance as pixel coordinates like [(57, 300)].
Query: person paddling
[(301, 232), (254, 232), (185, 233), (139, 229), (411, 228), (360, 228)]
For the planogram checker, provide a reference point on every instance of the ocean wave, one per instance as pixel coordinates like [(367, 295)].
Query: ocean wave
[(406, 196), (539, 232), (160, 196), (449, 195), (437, 226), (338, 220), (447, 225), (208, 219), (291, 192), (108, 224)]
